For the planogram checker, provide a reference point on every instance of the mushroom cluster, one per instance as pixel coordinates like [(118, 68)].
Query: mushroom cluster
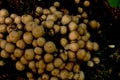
[(50, 44)]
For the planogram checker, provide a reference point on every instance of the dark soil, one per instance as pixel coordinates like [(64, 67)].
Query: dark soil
[(109, 68)]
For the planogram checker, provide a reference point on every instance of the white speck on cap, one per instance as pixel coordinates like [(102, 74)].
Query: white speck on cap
[(111, 46)]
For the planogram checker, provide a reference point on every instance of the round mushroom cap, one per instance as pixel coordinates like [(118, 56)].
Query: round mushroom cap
[(50, 47)]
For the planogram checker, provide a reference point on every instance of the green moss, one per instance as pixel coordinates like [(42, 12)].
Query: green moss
[(114, 3)]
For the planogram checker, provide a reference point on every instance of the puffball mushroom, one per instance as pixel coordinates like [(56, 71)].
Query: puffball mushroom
[(71, 55), (62, 66), (77, 1), (38, 57), (4, 54), (86, 21), (1, 36), (63, 30), (58, 62), (50, 66), (94, 24), (81, 44), (87, 57), (81, 53), (96, 60), (21, 44), (69, 66), (50, 47), (56, 28), (51, 17), (23, 60), (80, 9), (13, 15), (75, 19), (76, 76), (17, 19), (52, 9), (3, 28), (82, 75), (3, 43), (4, 13), (84, 15), (2, 63), (38, 50), (19, 66), (48, 57), (63, 74), (2, 20), (39, 9), (56, 4), (73, 46), (28, 37), (41, 41), (63, 56), (95, 46), (41, 64), (14, 36), (40, 71), (70, 75), (8, 20), (63, 42), (83, 26), (65, 19), (36, 20), (26, 18), (72, 26), (90, 63), (12, 56), (55, 72), (58, 14), (20, 26), (76, 68), (29, 75), (86, 3), (46, 11), (11, 28), (45, 76), (9, 47), (89, 45), (49, 24), (38, 31), (18, 52), (34, 43), (54, 78), (31, 64), (30, 25), (29, 54), (73, 35)]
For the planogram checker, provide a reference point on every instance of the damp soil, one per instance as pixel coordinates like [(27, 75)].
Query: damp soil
[(109, 68)]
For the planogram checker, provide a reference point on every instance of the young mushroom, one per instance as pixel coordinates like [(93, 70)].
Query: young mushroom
[(29, 54), (63, 74), (38, 31), (4, 13), (50, 44), (14, 36), (28, 37), (50, 66), (58, 62), (19, 66), (48, 57), (65, 19), (3, 28), (26, 18), (49, 47)]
